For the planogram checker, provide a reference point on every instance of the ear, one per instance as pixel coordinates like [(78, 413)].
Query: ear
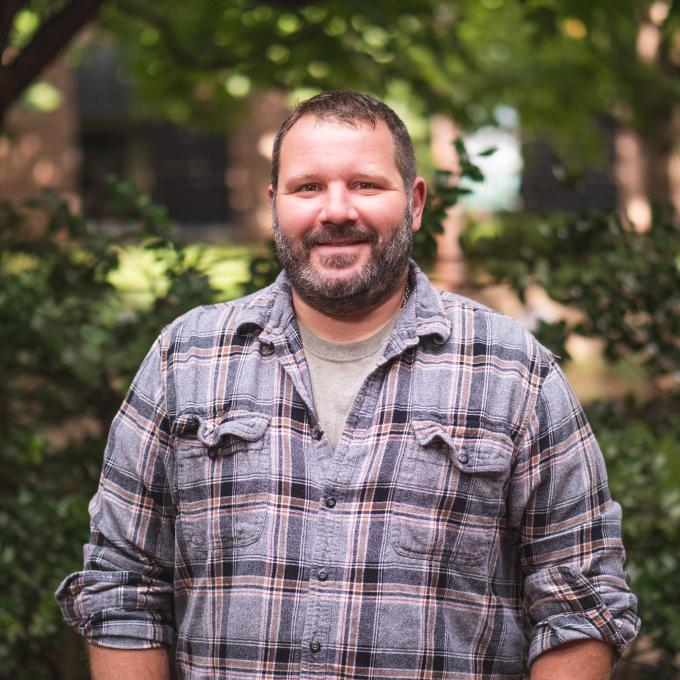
[(419, 193), (270, 193)]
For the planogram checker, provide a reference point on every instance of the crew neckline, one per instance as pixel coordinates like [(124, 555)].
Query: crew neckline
[(341, 352)]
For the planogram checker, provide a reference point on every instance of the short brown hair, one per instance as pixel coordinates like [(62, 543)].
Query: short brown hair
[(351, 108)]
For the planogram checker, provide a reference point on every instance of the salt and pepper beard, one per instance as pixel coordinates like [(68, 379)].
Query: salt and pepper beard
[(366, 289)]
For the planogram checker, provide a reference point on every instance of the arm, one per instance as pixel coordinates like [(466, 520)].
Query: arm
[(581, 660), (123, 597), (569, 532), (129, 664)]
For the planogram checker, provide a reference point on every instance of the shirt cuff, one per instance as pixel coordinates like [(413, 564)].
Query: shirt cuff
[(124, 643), (567, 606), (118, 609)]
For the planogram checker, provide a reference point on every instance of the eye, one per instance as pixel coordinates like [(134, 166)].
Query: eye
[(365, 186), (308, 187)]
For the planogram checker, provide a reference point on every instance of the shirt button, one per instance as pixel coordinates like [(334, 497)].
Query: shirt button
[(314, 646), (317, 433), (330, 501), (266, 349), (463, 458), (322, 574)]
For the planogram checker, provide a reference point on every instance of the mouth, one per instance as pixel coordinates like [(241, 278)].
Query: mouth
[(340, 243), (333, 237)]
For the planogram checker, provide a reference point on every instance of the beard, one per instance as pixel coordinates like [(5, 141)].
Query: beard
[(356, 293)]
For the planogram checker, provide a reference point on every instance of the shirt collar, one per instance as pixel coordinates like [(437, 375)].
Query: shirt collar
[(271, 311), (268, 311), (429, 315)]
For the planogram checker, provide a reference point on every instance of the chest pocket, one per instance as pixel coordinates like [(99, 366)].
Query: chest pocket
[(450, 497), (222, 483)]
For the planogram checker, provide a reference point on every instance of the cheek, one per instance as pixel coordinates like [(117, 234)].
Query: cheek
[(384, 216), (295, 217)]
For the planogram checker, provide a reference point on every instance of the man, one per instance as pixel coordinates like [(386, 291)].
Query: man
[(350, 474)]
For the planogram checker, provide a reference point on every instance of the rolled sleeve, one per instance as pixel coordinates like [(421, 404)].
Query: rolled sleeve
[(123, 597), (118, 609), (568, 606), (571, 552)]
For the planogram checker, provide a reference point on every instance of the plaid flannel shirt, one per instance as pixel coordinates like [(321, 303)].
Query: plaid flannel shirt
[(462, 527)]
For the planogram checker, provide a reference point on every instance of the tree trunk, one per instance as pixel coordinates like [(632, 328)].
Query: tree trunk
[(658, 143), (50, 39)]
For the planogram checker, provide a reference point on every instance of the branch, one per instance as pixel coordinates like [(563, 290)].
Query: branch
[(8, 11), (50, 39)]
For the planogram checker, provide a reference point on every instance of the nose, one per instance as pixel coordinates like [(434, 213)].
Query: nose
[(338, 206)]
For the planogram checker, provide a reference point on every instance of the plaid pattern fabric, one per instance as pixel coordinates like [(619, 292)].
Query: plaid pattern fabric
[(462, 527)]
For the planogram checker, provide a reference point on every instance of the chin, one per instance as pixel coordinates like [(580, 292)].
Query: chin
[(341, 263), (334, 273)]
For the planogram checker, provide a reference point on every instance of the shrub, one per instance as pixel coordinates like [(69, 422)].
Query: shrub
[(626, 288), (71, 344)]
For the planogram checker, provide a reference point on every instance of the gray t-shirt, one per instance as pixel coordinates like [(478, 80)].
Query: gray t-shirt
[(337, 371)]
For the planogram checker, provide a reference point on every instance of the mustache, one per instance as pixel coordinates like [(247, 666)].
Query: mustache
[(332, 233)]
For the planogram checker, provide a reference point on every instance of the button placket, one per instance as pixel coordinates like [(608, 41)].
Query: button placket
[(324, 606)]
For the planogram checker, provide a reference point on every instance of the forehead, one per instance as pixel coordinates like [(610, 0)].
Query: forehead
[(313, 141)]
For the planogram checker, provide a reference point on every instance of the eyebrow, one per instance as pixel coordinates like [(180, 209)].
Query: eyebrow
[(302, 179)]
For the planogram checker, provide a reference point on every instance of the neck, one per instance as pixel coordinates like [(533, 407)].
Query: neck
[(350, 328)]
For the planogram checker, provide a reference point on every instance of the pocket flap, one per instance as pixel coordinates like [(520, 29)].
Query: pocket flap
[(249, 428), (485, 452)]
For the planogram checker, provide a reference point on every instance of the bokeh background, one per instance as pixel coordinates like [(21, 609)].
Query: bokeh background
[(135, 142)]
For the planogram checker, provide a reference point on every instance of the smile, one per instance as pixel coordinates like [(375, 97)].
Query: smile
[(340, 244)]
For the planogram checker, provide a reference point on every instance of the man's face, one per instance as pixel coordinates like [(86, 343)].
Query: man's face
[(342, 217)]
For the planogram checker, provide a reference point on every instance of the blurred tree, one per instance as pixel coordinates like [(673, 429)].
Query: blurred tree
[(563, 65), (576, 62), (196, 61), (32, 35)]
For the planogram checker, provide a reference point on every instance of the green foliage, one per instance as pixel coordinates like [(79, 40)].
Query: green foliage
[(444, 192), (625, 285), (264, 268), (642, 449), (71, 344), (199, 61)]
